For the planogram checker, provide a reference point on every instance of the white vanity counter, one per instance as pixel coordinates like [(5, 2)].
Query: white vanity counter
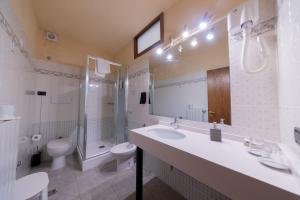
[(226, 167)]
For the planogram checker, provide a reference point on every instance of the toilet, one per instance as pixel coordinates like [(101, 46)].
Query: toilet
[(58, 149), (124, 154)]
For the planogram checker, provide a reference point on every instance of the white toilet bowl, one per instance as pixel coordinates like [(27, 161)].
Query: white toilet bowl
[(124, 154), (58, 150)]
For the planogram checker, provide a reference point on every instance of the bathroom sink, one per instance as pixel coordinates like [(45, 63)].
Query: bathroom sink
[(166, 133)]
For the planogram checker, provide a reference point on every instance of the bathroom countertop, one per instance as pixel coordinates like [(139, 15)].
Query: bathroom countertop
[(226, 166)]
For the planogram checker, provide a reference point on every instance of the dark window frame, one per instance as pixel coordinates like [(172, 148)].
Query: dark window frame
[(159, 18)]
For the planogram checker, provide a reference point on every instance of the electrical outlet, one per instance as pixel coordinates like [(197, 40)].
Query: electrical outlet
[(29, 92), (297, 135)]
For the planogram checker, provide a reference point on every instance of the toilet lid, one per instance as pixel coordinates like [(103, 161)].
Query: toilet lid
[(123, 148), (59, 144), (28, 186)]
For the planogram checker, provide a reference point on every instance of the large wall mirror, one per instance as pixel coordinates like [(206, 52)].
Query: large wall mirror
[(192, 79)]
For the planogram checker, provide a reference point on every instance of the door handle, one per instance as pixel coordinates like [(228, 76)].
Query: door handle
[(211, 112)]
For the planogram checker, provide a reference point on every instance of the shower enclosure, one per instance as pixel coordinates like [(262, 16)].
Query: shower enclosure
[(101, 113)]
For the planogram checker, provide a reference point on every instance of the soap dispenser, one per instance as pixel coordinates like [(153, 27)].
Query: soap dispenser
[(215, 133)]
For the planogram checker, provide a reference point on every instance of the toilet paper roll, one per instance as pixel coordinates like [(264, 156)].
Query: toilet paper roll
[(36, 137)]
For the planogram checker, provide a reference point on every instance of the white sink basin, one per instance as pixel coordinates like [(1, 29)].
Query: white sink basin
[(166, 133)]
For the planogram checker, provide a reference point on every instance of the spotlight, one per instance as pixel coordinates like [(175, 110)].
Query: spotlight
[(202, 25), (194, 42), (210, 36), (185, 33), (169, 57), (159, 51)]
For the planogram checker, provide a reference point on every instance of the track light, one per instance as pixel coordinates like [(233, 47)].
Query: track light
[(210, 36), (185, 33), (203, 25), (194, 42), (159, 51), (169, 57)]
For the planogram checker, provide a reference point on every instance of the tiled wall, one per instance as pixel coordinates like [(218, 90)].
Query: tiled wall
[(187, 186), (254, 97), (289, 70), (138, 77), (59, 109), (166, 91), (49, 130), (100, 110)]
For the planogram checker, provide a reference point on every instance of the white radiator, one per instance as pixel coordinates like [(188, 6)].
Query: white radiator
[(196, 113), (8, 157)]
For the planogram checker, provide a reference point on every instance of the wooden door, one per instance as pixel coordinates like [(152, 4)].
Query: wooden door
[(218, 88)]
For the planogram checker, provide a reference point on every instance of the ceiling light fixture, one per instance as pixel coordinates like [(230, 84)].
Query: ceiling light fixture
[(203, 25), (210, 36), (194, 42), (169, 57), (185, 33), (159, 51)]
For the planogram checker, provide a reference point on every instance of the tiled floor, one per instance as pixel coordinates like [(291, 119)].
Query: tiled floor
[(157, 190), (102, 184)]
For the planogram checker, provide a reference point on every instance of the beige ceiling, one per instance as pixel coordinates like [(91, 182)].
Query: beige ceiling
[(107, 24)]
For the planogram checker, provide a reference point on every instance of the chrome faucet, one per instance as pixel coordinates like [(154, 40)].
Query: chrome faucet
[(174, 124)]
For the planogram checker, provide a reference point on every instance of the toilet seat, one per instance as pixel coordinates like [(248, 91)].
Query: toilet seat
[(123, 149)]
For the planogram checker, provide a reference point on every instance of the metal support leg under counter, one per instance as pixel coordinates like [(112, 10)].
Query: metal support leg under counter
[(139, 174)]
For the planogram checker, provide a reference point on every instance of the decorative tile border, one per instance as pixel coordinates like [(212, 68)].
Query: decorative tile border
[(138, 73), (180, 83), (102, 80), (16, 42), (259, 29), (56, 73), (69, 75)]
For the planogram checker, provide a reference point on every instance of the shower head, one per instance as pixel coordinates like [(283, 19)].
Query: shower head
[(250, 13)]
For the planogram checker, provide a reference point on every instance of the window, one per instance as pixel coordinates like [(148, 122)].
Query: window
[(151, 36)]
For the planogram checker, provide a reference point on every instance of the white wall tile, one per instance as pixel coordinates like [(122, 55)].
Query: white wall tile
[(289, 70), (254, 97)]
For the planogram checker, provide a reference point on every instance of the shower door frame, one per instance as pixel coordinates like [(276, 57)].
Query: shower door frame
[(82, 152)]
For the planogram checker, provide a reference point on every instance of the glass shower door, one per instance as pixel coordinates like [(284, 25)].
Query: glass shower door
[(101, 113), (82, 123)]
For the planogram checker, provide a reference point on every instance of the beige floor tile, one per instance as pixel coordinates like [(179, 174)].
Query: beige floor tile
[(103, 184)]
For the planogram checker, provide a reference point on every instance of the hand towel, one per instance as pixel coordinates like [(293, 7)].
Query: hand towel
[(143, 98), (102, 67)]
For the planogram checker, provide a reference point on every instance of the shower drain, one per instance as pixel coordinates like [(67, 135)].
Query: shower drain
[(101, 147)]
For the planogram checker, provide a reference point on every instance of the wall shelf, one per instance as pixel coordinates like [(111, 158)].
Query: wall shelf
[(6, 119)]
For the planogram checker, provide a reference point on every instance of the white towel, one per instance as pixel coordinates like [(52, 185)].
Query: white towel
[(102, 67)]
